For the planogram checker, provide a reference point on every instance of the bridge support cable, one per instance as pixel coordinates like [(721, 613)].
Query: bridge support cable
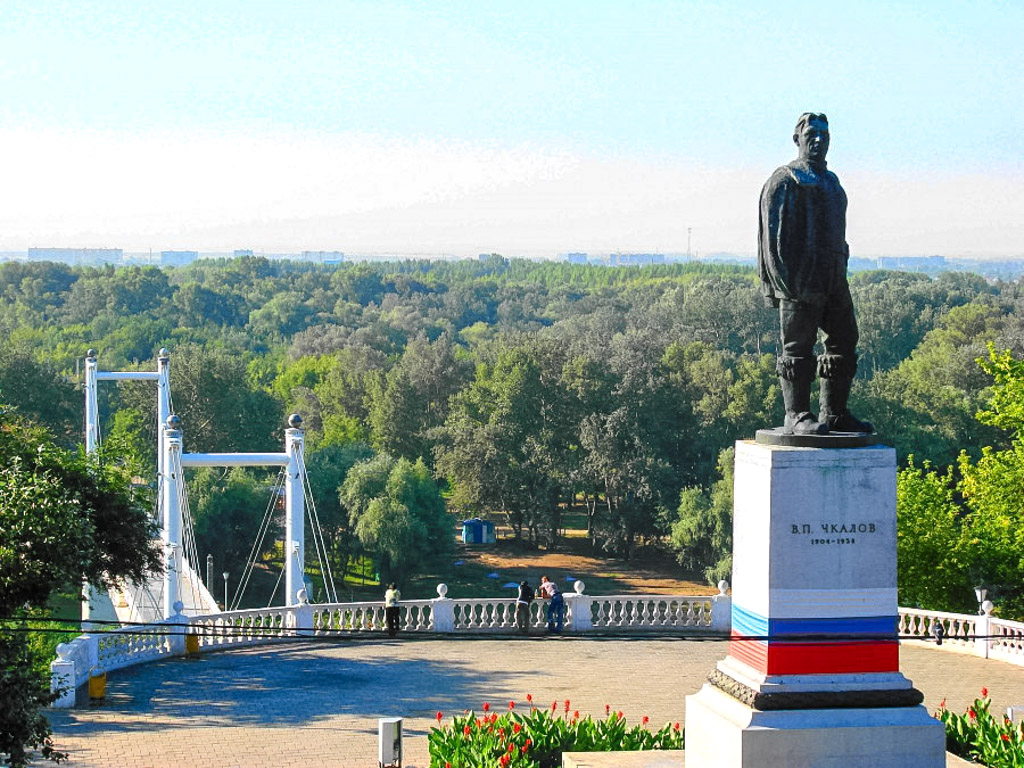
[(257, 545), (318, 535), (190, 561), (270, 600)]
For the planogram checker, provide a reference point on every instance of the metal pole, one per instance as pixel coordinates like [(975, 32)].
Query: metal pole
[(92, 432), (225, 575), (163, 411), (172, 513), (91, 446), (209, 567), (295, 513)]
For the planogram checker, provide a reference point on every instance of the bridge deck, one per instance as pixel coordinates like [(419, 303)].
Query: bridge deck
[(317, 703)]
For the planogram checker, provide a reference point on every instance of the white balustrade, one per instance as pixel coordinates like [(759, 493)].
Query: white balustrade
[(348, 618), (1007, 642), (115, 650), (107, 651), (237, 628), (958, 629), (636, 612)]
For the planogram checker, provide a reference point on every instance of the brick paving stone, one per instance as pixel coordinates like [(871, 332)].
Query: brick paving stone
[(317, 702)]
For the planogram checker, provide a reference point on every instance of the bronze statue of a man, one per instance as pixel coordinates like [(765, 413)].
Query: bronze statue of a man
[(802, 256)]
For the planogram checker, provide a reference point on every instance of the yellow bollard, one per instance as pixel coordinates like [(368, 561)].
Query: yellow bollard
[(97, 686), (192, 646)]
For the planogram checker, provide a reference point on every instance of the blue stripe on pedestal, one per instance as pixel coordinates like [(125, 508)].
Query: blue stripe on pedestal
[(747, 623), (876, 626), (751, 624)]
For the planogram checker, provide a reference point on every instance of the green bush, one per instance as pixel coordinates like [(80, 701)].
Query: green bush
[(537, 739), (977, 735)]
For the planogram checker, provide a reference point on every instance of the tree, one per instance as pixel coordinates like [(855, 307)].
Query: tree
[(397, 513), (326, 468), (965, 527), (411, 400), (500, 444), (934, 394), (63, 518), (702, 534), (935, 553), (39, 391)]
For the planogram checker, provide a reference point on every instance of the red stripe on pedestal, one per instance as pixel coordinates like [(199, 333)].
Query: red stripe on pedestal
[(782, 658)]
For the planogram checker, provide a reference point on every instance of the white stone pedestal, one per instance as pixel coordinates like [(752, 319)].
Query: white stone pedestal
[(813, 658), (725, 733)]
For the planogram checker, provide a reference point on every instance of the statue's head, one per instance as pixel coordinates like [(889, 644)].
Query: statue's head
[(811, 136)]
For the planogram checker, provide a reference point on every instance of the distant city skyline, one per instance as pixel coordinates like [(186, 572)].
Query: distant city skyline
[(525, 129)]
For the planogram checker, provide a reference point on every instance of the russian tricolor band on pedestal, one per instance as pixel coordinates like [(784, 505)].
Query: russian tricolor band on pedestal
[(805, 646)]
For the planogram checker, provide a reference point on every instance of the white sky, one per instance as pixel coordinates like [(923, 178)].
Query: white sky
[(527, 128)]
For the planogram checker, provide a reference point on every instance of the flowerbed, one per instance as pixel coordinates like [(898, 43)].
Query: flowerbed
[(538, 737), (978, 735)]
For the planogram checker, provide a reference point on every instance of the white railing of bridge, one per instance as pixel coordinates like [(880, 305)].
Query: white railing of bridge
[(94, 654)]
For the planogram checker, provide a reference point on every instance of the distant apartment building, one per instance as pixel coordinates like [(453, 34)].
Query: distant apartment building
[(635, 259), (75, 256), (577, 258), (177, 258), (324, 257), (240, 252)]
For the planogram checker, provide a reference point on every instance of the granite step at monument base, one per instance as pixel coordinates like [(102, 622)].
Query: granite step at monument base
[(670, 758)]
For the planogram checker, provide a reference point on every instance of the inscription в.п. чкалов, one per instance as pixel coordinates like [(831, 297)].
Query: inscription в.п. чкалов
[(836, 528)]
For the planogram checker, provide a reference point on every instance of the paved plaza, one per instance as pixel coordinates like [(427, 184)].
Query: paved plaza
[(316, 703)]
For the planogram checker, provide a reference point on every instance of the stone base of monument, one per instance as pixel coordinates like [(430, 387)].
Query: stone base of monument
[(812, 677), (723, 732)]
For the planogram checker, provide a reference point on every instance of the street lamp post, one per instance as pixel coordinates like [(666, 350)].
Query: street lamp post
[(225, 575), (209, 567)]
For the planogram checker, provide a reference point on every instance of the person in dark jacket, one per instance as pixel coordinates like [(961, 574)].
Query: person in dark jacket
[(523, 600)]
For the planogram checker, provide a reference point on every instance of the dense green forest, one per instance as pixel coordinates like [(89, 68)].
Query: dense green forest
[(516, 388)]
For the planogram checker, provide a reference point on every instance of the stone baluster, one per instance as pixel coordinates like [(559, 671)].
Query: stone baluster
[(721, 609), (299, 617), (62, 676), (580, 604), (178, 625), (443, 610)]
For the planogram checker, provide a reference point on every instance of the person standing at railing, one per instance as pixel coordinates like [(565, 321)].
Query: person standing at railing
[(523, 600), (556, 606), (391, 598)]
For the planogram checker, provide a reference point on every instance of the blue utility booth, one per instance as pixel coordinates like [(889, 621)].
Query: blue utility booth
[(477, 531)]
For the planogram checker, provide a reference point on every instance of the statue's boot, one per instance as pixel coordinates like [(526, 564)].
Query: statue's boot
[(833, 397), (796, 394)]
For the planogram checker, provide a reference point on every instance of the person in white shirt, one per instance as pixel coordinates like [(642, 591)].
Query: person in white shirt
[(556, 606), (391, 598)]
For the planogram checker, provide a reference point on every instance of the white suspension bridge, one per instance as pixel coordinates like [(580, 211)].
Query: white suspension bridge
[(156, 599)]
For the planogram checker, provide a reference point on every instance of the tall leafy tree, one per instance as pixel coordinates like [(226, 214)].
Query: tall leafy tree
[(64, 517), (411, 400), (702, 533), (397, 513)]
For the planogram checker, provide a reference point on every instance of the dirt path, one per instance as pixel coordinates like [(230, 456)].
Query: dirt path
[(648, 573)]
